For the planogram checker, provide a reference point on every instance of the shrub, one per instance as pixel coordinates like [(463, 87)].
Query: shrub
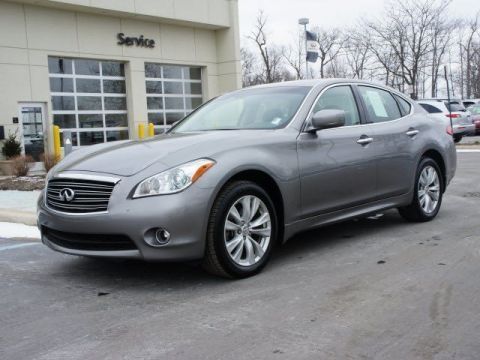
[(11, 147), (21, 165), (49, 161)]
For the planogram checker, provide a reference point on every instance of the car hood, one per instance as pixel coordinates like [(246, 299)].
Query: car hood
[(129, 157)]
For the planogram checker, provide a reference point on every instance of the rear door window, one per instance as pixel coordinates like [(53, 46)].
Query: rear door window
[(380, 104), (404, 105)]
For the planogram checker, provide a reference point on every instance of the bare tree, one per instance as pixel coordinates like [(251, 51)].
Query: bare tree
[(407, 31), (357, 52), (271, 55), (294, 54), (468, 47), (330, 44)]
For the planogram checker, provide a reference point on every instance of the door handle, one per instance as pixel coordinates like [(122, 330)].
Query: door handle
[(364, 140), (412, 132)]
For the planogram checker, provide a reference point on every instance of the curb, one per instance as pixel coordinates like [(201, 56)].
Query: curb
[(16, 216)]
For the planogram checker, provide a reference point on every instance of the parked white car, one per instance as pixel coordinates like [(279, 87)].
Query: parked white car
[(470, 102), (461, 118)]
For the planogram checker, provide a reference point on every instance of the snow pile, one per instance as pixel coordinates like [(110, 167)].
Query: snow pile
[(19, 200), (11, 230)]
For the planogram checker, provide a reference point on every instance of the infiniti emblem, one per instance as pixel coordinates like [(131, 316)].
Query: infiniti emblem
[(66, 195)]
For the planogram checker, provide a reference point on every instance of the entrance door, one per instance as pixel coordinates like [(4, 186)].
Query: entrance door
[(32, 117)]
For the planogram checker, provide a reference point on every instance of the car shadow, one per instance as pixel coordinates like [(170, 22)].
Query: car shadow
[(107, 273)]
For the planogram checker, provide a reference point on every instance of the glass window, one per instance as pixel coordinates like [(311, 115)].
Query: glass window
[(404, 105), (64, 85), (87, 67), (181, 88), (114, 86), (115, 135), (59, 66), (88, 86), (89, 103), (65, 121), (116, 120), (193, 88), (154, 103), (193, 73), (431, 109), (174, 103), (173, 87), (115, 103), (156, 118), (192, 103), (63, 103), (90, 120), (153, 70), (154, 87), (112, 69), (91, 137), (380, 104), (172, 72), (339, 98)]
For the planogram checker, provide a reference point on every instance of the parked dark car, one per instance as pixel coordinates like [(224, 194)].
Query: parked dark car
[(247, 171)]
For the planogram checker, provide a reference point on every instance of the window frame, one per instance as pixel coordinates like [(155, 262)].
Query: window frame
[(77, 130), (164, 127)]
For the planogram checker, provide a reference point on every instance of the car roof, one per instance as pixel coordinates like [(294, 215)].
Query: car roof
[(327, 82)]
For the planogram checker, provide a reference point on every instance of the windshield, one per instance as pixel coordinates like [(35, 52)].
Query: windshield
[(257, 108)]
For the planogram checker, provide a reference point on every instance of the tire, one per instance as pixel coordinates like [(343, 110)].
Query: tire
[(416, 211), (457, 138), (226, 262)]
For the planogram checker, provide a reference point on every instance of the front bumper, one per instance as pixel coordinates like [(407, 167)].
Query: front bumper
[(184, 215)]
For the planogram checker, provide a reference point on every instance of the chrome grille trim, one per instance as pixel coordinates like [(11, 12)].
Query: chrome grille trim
[(92, 193)]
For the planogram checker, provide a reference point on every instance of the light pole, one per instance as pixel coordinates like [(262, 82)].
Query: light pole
[(304, 22)]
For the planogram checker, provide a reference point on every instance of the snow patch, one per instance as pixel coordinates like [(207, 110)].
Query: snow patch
[(12, 230), (19, 200)]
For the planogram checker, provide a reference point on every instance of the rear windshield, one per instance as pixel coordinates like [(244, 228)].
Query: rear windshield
[(431, 109), (454, 107), (475, 110)]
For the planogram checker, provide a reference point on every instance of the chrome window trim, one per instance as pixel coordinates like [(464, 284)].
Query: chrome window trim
[(78, 176), (309, 116)]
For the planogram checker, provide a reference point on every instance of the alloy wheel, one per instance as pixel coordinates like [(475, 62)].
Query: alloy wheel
[(247, 232), (429, 189)]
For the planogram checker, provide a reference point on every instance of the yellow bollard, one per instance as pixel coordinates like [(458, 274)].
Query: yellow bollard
[(141, 131), (56, 142), (151, 130)]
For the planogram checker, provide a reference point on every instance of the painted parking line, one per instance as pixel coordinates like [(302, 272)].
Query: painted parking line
[(11, 247), (468, 150)]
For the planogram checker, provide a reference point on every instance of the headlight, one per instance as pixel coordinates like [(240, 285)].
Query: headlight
[(173, 180)]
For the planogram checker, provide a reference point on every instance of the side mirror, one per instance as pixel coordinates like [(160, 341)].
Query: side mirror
[(327, 119)]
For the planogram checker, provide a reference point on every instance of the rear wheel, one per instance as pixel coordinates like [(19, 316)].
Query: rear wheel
[(428, 193), (242, 231), (457, 138)]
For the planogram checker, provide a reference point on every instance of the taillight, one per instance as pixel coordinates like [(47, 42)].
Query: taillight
[(453, 116), (449, 130)]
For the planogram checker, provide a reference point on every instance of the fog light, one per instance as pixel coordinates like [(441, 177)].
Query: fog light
[(157, 237), (162, 236)]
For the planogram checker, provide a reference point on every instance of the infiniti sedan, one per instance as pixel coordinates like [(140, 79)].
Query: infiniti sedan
[(246, 171)]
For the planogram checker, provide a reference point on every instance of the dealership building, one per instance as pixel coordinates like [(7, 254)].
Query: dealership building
[(99, 68)]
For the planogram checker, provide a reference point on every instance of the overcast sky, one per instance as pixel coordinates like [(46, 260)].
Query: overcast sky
[(283, 15)]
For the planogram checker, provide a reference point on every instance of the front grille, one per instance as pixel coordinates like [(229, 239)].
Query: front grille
[(92, 242), (89, 196)]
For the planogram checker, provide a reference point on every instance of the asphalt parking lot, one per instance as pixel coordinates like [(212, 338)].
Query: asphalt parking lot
[(367, 289)]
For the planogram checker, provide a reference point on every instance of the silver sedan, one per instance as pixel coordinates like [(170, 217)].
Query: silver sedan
[(246, 171)]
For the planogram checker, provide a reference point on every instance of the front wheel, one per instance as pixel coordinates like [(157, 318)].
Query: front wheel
[(428, 193), (242, 231)]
